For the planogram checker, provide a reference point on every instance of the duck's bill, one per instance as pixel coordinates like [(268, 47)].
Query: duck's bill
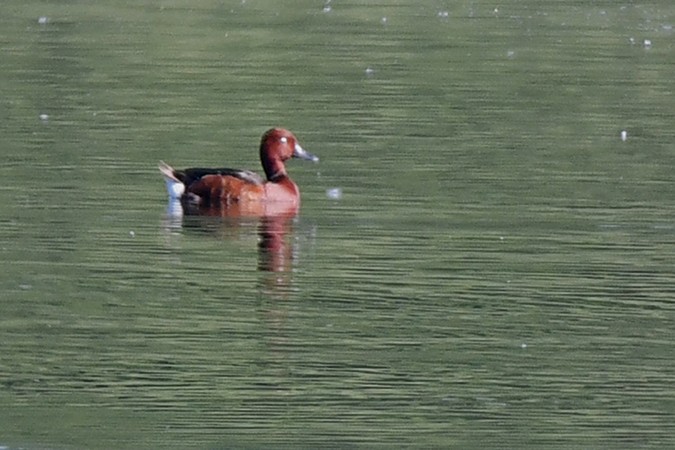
[(301, 153)]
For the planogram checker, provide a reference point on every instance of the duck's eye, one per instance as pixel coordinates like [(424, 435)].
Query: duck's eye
[(284, 140)]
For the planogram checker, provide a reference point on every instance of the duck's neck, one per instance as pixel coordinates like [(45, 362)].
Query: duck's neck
[(275, 169)]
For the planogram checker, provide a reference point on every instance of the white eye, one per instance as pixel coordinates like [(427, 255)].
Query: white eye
[(283, 140)]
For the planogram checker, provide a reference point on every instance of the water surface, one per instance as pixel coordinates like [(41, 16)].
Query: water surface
[(496, 273)]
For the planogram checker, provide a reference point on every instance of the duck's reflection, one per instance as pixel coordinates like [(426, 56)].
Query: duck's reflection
[(274, 226)]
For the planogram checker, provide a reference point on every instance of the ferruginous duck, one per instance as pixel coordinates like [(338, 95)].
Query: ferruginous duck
[(224, 187)]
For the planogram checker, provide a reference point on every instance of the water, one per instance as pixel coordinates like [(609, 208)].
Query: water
[(496, 270)]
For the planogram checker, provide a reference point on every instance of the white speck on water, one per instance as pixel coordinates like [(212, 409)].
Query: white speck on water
[(370, 71), (327, 9), (510, 54), (25, 286), (624, 135), (44, 117), (132, 233), (501, 238), (334, 193), (523, 345), (384, 21), (42, 20), (443, 14), (631, 40), (647, 43)]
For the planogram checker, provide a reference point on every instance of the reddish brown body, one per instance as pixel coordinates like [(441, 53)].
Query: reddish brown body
[(243, 191), (226, 190)]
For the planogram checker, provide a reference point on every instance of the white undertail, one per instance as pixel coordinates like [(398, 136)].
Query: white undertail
[(174, 186)]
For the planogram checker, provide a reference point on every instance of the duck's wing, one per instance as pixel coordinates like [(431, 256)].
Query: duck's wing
[(189, 176)]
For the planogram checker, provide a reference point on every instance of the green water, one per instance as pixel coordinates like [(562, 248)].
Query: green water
[(498, 271)]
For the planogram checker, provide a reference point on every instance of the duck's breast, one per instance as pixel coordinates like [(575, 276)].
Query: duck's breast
[(283, 191)]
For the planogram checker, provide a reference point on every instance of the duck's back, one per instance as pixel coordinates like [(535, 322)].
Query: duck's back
[(192, 175)]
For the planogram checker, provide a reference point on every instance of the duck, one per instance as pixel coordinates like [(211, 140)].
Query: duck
[(224, 187)]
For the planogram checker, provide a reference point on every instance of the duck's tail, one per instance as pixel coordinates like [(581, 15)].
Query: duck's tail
[(174, 186)]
